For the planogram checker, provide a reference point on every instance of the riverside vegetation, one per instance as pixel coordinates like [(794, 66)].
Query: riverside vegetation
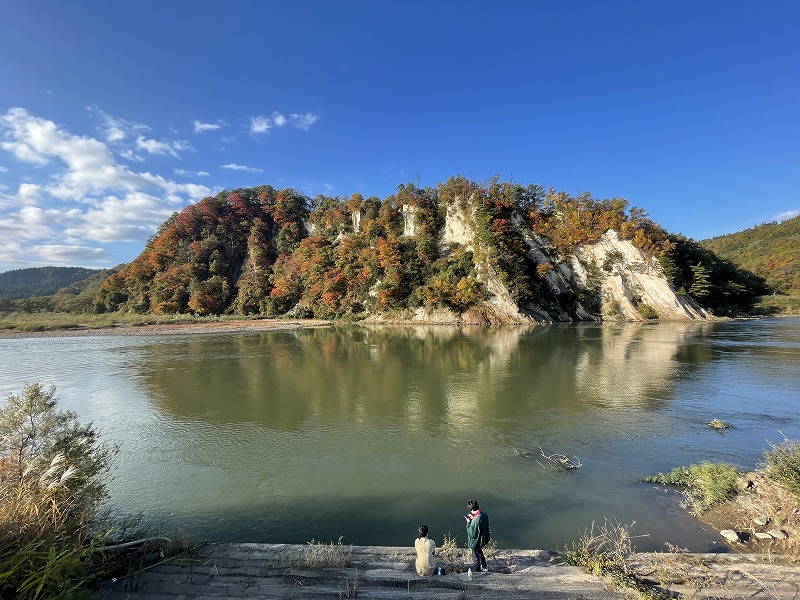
[(768, 498), (55, 542), (716, 493)]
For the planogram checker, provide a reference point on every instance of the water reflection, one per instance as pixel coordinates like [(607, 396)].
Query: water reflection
[(417, 375)]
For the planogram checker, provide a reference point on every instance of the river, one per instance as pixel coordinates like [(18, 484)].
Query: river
[(366, 432)]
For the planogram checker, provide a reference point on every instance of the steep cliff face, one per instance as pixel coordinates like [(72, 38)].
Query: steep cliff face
[(611, 273), (628, 280)]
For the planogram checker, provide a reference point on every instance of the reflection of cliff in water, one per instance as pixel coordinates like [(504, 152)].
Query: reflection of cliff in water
[(411, 376)]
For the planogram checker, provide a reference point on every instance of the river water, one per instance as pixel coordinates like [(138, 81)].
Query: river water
[(367, 432)]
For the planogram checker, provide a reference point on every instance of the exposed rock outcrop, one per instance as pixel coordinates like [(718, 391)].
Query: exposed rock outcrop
[(612, 276)]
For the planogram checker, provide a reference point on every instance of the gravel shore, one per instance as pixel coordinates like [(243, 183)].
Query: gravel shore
[(250, 326)]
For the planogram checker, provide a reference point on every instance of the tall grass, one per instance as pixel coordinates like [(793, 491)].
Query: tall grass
[(782, 464), (51, 470)]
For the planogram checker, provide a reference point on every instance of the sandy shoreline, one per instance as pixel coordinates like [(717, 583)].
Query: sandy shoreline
[(245, 325)]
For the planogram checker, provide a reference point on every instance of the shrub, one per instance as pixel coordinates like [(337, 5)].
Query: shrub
[(782, 464), (450, 555), (704, 485), (646, 311)]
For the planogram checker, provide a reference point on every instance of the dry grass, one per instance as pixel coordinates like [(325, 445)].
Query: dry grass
[(782, 464), (319, 555), (58, 321), (450, 555)]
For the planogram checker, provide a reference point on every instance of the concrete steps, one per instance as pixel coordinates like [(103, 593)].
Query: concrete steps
[(265, 571)]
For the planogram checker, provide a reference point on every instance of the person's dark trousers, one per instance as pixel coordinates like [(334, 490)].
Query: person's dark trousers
[(478, 560)]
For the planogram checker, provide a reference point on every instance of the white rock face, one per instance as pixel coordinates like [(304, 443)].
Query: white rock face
[(356, 218), (612, 268), (459, 226), (632, 279), (409, 228)]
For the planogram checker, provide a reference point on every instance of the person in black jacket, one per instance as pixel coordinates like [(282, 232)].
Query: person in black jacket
[(478, 534)]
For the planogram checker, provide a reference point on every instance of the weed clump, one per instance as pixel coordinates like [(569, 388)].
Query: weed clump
[(605, 550), (704, 485), (319, 555)]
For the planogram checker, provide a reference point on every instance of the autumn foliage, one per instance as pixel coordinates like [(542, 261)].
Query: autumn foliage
[(262, 251)]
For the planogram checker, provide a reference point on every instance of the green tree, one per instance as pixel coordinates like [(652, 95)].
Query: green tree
[(701, 286)]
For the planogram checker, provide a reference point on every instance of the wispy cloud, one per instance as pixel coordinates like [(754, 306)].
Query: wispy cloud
[(235, 167), (203, 127), (786, 215), (262, 124), (187, 173), (115, 129), (303, 121), (60, 253), (163, 146), (78, 193)]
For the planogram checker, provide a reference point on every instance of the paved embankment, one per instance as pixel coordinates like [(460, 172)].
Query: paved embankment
[(269, 571)]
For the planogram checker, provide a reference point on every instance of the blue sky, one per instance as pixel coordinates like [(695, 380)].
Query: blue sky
[(114, 115)]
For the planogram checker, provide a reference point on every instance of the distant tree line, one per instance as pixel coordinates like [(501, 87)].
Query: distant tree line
[(39, 281), (771, 251)]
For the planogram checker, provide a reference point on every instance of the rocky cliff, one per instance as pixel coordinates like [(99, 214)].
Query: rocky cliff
[(609, 279), (462, 252)]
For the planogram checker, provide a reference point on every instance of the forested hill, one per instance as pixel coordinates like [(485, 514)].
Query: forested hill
[(493, 251), (40, 281), (771, 250)]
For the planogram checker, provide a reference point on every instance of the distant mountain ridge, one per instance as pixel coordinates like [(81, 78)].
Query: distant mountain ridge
[(40, 281), (771, 250)]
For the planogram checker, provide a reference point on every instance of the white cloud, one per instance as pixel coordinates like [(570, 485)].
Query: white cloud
[(303, 121), (203, 127), (262, 124), (235, 167), (163, 147), (187, 173), (3, 169), (786, 215), (59, 253), (78, 192)]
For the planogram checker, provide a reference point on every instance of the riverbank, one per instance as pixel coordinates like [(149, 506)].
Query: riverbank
[(277, 571), (223, 326), (763, 518)]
